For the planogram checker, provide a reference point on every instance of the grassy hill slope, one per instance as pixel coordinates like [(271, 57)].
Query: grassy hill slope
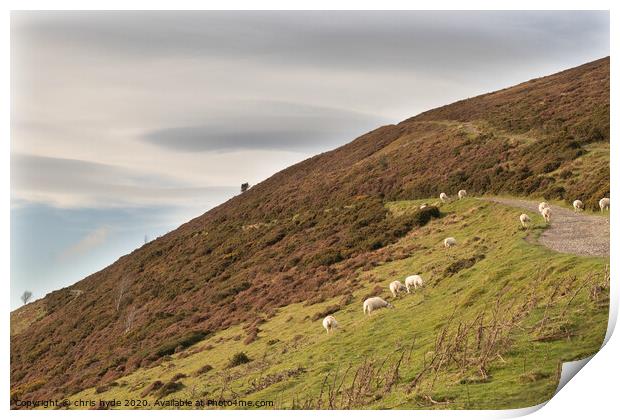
[(509, 312), (304, 235)]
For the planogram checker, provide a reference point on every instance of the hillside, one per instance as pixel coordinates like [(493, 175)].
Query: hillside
[(518, 310), (336, 224)]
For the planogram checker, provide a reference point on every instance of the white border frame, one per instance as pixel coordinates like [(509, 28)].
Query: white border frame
[(593, 394)]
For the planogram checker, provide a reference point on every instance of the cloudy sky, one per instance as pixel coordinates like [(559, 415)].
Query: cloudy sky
[(126, 124)]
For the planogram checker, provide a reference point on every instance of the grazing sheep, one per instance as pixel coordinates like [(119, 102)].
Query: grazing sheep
[(546, 214), (329, 323), (374, 303), (443, 197), (396, 287), (578, 205), (448, 242), (423, 206), (542, 206), (604, 204), (525, 219), (414, 281), (462, 194)]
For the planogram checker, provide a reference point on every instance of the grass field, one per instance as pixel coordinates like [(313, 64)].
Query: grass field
[(497, 315)]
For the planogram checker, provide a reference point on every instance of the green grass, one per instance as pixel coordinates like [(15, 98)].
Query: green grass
[(569, 292)]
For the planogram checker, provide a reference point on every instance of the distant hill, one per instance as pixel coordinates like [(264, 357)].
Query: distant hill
[(305, 234)]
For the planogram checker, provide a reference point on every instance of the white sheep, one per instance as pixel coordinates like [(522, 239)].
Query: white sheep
[(546, 214), (604, 204), (578, 205), (396, 287), (462, 194), (443, 197), (448, 242), (329, 323), (414, 281), (525, 219), (374, 303), (542, 206)]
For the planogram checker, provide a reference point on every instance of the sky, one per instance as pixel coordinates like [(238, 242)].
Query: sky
[(125, 125)]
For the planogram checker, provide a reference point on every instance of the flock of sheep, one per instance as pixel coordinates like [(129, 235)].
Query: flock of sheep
[(373, 303), (545, 210), (415, 281)]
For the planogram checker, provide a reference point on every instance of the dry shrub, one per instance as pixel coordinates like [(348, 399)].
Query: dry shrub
[(263, 382), (252, 335), (204, 369), (177, 377), (151, 388), (238, 359), (101, 389), (376, 291), (355, 387), (169, 388), (533, 376), (327, 311), (346, 300), (462, 264)]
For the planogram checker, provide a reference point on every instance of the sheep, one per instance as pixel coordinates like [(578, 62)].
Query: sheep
[(604, 204), (374, 303), (448, 242), (462, 194), (578, 205), (414, 281), (443, 197), (329, 323), (542, 206), (396, 287), (423, 206), (546, 214), (525, 219)]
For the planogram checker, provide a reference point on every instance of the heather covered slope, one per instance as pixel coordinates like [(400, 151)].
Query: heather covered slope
[(306, 234)]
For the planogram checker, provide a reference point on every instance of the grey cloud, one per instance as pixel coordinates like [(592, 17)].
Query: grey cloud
[(430, 41), (75, 183), (269, 126), (32, 169), (224, 138)]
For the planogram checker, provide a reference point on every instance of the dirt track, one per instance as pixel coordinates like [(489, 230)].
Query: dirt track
[(570, 232)]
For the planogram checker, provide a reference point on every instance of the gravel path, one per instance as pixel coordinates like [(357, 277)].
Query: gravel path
[(570, 232)]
